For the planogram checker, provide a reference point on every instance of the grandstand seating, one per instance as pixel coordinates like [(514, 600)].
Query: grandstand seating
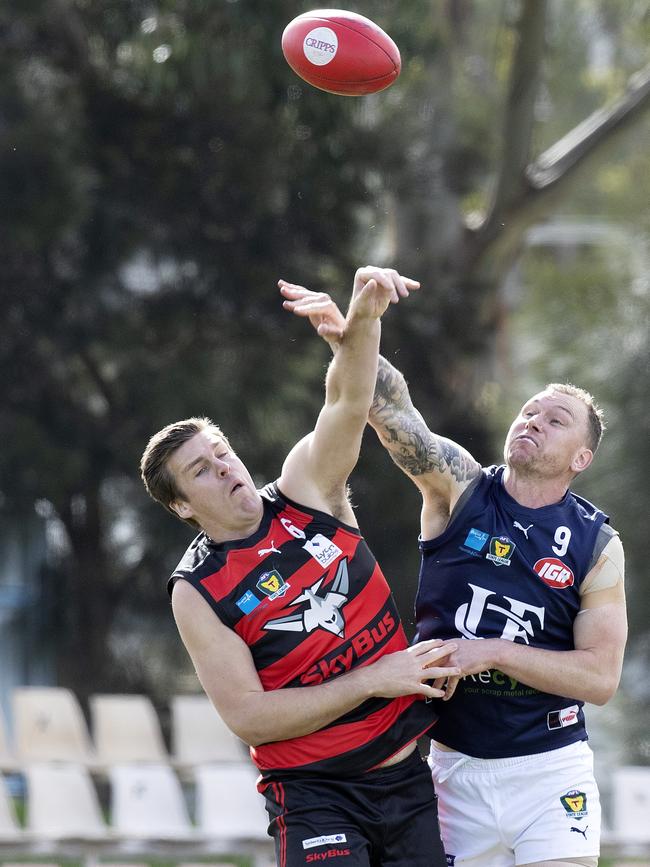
[(126, 729), (147, 803), (199, 735), (49, 726), (631, 804), (113, 790), (228, 805), (62, 804)]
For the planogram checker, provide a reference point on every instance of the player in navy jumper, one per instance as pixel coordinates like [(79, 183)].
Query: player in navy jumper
[(530, 576), (292, 628)]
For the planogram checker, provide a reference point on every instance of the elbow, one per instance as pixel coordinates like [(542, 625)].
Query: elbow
[(253, 738), (603, 697), (599, 699), (603, 692), (248, 734), (253, 734)]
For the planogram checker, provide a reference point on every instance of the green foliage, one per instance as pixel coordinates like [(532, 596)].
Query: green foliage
[(162, 167)]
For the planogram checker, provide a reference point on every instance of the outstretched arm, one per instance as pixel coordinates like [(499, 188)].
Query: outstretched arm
[(316, 470), (439, 467)]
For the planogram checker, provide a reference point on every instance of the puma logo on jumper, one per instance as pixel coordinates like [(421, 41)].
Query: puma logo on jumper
[(272, 550)]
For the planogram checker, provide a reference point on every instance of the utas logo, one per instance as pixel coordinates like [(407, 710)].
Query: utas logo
[(575, 804), (554, 573)]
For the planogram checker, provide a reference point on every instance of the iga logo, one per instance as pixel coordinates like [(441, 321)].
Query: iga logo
[(554, 573)]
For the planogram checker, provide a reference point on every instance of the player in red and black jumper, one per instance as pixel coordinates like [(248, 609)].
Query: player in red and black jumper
[(292, 628)]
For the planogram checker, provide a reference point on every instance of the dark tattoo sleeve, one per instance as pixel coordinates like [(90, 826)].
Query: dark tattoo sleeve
[(412, 446)]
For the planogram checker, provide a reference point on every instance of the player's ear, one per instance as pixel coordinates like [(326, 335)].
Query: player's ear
[(581, 460), (181, 508)]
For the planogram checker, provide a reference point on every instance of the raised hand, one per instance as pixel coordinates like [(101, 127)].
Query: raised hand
[(318, 307), (324, 314), (398, 286)]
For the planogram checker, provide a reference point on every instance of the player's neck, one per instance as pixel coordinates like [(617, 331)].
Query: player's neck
[(219, 533), (534, 492)]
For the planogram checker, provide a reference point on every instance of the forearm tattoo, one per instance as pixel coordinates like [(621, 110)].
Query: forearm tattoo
[(403, 431)]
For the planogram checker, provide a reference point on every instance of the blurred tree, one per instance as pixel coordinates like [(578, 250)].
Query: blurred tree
[(156, 180), (162, 167), (463, 191)]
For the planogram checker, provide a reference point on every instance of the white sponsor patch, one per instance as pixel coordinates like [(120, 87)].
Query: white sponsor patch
[(323, 841), (320, 46), (322, 549), (560, 719), (569, 715)]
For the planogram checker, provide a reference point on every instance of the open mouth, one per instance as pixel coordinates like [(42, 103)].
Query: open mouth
[(236, 487), (527, 439)]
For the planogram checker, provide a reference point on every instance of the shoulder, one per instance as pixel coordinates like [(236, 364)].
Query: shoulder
[(296, 512), (192, 561), (607, 567), (189, 607), (587, 510), (197, 622), (441, 513), (314, 491)]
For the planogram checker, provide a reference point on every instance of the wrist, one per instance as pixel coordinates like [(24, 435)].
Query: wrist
[(363, 682), (497, 652)]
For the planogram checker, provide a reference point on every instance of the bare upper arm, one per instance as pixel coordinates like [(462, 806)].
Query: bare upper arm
[(222, 660), (601, 624), (440, 468), (316, 470), (602, 629)]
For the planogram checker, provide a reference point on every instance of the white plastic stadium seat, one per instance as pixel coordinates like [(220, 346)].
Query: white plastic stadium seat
[(199, 735), (62, 803), (126, 729), (49, 726), (631, 804), (147, 803), (228, 805)]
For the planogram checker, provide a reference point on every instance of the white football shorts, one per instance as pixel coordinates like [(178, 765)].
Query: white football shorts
[(507, 812)]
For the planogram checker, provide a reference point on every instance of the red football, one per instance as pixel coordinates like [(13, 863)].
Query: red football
[(340, 52)]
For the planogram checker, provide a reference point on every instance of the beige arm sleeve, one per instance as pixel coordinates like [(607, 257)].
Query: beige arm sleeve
[(609, 569)]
